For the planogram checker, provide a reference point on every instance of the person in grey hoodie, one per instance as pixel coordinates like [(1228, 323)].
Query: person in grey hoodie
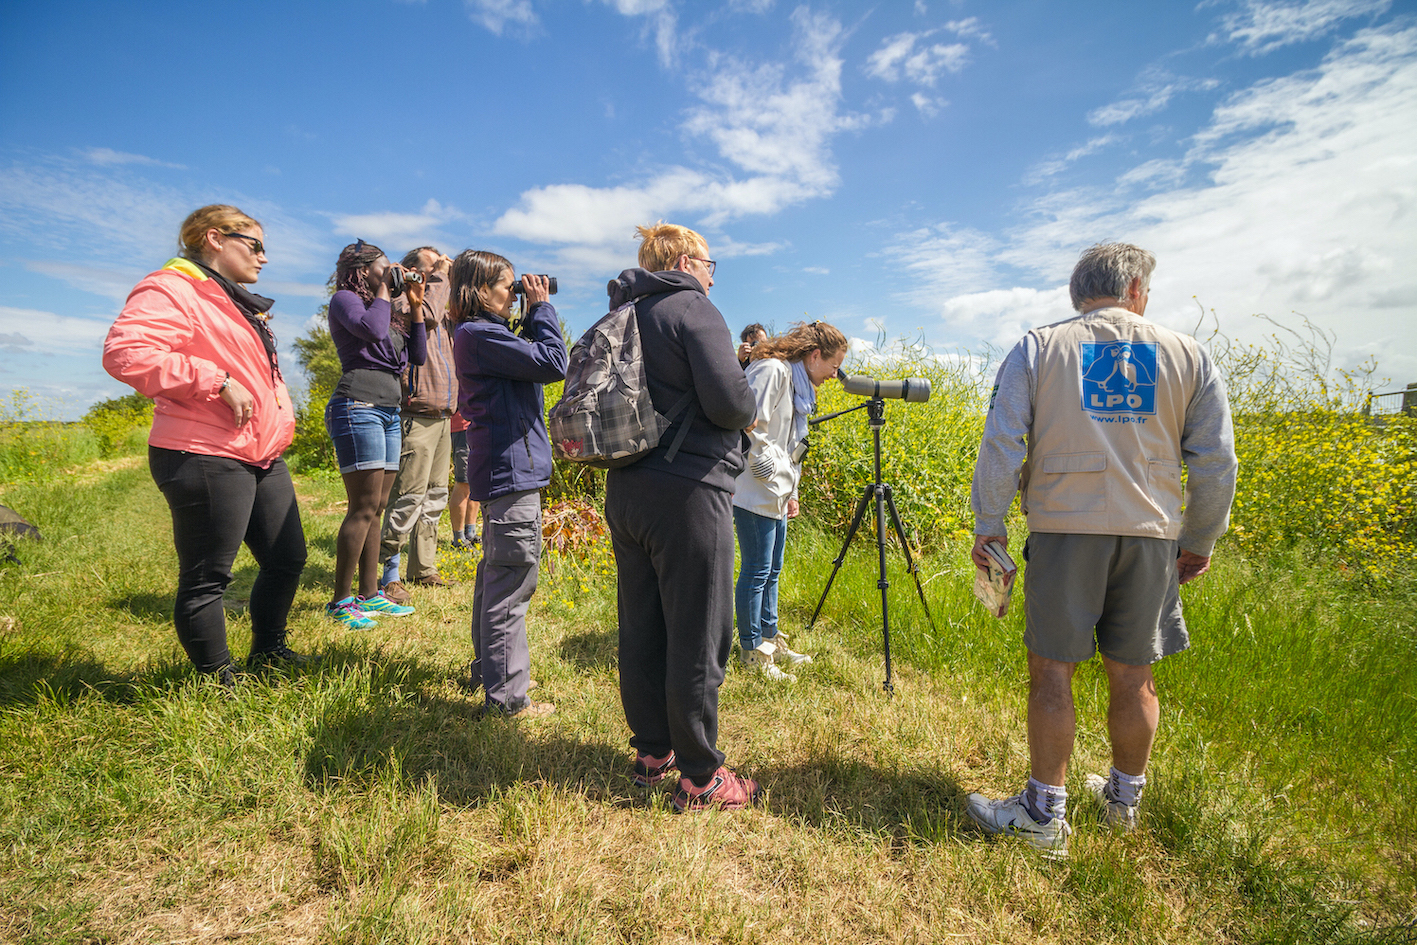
[(671, 525), (1100, 412)]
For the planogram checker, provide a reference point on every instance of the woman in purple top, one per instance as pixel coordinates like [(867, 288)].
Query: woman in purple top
[(363, 417)]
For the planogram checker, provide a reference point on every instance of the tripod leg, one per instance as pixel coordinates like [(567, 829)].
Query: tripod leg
[(881, 493), (836, 565), (910, 564)]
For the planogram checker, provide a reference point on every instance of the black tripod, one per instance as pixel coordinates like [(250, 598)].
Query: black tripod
[(876, 411)]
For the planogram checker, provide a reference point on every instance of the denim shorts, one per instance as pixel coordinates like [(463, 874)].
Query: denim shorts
[(366, 436)]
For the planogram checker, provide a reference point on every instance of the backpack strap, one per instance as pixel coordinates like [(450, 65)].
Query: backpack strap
[(674, 411)]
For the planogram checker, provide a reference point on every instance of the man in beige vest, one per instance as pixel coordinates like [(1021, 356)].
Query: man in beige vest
[(1091, 421)]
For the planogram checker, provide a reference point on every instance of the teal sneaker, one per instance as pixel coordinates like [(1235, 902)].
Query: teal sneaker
[(379, 604), (347, 612)]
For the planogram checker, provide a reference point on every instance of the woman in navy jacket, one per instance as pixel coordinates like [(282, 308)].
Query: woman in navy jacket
[(500, 372)]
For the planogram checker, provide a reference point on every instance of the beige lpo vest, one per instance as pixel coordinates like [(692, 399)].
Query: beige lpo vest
[(1104, 451)]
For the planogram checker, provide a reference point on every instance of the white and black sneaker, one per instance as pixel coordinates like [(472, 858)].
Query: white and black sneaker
[(1010, 817), (1110, 813)]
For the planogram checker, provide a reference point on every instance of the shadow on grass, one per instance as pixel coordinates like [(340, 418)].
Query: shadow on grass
[(592, 651), (406, 716), (144, 606), (28, 676)]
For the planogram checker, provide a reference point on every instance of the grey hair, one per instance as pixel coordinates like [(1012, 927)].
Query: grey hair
[(1105, 270), (411, 258)]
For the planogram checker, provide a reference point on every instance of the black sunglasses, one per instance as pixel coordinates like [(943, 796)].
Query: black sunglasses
[(257, 247)]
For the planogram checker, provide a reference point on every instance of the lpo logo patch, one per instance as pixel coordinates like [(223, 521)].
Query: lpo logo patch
[(1119, 376)]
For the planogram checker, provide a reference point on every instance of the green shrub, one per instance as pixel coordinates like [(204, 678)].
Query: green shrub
[(120, 425), (35, 449), (927, 450)]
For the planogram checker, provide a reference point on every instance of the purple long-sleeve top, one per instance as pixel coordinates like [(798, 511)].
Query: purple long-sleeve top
[(361, 336)]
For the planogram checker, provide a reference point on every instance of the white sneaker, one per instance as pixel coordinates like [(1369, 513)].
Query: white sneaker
[(1111, 813), (1008, 816), (760, 660), (786, 655)]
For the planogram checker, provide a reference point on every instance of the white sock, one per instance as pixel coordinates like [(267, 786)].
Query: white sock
[(1125, 788), (1045, 801)]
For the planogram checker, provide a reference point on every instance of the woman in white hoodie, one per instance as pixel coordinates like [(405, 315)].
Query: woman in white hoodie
[(784, 374)]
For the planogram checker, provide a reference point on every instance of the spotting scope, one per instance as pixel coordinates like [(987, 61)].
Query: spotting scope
[(912, 390)]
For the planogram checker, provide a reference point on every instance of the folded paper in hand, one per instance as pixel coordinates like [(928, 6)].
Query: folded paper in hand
[(995, 585)]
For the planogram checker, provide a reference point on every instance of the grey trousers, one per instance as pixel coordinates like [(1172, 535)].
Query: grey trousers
[(506, 579), (420, 494), (673, 540)]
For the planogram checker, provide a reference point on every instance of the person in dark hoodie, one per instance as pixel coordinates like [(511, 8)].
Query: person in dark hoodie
[(500, 371), (671, 525)]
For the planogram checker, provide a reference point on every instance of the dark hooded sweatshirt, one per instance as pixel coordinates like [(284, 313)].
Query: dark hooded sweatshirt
[(687, 345)]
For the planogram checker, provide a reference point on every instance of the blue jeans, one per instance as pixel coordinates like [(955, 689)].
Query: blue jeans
[(366, 436), (761, 542)]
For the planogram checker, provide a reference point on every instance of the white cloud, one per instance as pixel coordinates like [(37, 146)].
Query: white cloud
[(35, 332), (1299, 194), (110, 283), (1154, 91), (662, 22), (1053, 166), (396, 229), (926, 105), (900, 58), (1262, 26), (105, 157), (497, 15), (970, 27), (774, 122)]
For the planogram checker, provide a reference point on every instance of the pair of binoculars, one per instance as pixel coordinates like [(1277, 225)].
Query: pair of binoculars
[(398, 278), (518, 289)]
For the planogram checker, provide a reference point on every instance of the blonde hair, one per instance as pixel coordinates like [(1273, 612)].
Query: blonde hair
[(224, 218), (801, 340), (661, 245)]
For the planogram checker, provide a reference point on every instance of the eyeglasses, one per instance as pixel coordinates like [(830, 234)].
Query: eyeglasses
[(257, 247), (707, 262)]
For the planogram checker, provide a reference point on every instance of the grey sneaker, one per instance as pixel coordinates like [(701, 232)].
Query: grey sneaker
[(760, 660), (784, 654), (1109, 812), (1009, 817)]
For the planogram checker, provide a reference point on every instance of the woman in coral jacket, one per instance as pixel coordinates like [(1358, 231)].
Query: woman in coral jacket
[(196, 341)]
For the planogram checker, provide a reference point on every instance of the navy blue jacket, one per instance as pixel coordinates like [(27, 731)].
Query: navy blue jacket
[(500, 373)]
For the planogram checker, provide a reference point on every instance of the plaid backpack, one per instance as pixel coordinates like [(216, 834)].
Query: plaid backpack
[(605, 417)]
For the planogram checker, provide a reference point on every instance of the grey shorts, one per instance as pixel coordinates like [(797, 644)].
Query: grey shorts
[(1117, 594)]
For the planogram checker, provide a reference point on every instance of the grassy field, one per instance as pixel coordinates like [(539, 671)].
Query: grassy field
[(364, 802)]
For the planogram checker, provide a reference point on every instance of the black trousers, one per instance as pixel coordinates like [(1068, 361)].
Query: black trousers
[(673, 540), (217, 504)]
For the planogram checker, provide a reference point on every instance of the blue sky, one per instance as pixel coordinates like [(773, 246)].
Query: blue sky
[(925, 168)]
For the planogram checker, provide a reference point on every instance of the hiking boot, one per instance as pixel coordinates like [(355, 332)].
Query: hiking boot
[(1110, 813), (224, 676), (725, 789), (279, 656), (434, 580), (530, 711), (650, 770), (380, 604), (396, 592), (347, 613), (1011, 818), (783, 654), (461, 544), (760, 660)]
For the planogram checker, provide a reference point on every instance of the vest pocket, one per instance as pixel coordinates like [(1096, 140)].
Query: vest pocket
[(1070, 482), (1163, 478)]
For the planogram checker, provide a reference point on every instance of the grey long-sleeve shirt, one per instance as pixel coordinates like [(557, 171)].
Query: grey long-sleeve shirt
[(1207, 448)]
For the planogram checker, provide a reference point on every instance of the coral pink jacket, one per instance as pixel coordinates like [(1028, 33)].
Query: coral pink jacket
[(175, 341)]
